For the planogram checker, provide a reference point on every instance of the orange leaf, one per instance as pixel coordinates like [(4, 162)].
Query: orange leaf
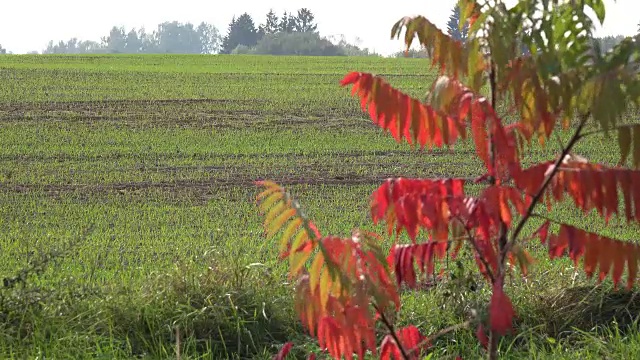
[(450, 54)]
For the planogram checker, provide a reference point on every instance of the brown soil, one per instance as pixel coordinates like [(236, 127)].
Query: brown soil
[(210, 185)]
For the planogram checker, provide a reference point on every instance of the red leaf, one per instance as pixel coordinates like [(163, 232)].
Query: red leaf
[(284, 351), (591, 186), (389, 349), (608, 256), (543, 232), (422, 254), (408, 204), (620, 257), (402, 115), (500, 310), (482, 336), (350, 78), (480, 136), (411, 340)]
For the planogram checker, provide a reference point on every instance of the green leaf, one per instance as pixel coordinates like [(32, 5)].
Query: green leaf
[(598, 7), (636, 146), (624, 141)]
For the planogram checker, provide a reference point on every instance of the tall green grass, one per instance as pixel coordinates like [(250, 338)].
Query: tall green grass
[(156, 155)]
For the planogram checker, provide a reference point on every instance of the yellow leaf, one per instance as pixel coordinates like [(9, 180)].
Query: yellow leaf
[(269, 201), (274, 212), (300, 238), (325, 284), (270, 188), (277, 223), (297, 259), (315, 271), (523, 257), (289, 232)]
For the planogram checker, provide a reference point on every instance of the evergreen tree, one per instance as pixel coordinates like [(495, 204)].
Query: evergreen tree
[(271, 25), (287, 22), (304, 21), (454, 28), (242, 31)]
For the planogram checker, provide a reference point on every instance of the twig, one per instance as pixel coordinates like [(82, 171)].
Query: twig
[(178, 352), (432, 338), (482, 259), (392, 332), (600, 131), (547, 218), (576, 136)]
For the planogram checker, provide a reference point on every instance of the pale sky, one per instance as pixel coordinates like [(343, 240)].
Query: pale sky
[(29, 24)]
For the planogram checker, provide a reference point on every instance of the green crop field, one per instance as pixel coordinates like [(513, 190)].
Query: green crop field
[(136, 173)]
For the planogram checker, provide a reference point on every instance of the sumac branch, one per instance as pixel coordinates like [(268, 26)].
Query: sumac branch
[(345, 285)]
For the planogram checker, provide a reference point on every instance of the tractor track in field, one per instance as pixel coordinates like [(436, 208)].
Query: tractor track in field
[(216, 120), (188, 113), (207, 185), (240, 156), (12, 106)]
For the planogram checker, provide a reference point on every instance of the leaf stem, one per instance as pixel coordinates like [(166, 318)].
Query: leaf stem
[(392, 332), (553, 221), (480, 256), (430, 339), (536, 198), (600, 131)]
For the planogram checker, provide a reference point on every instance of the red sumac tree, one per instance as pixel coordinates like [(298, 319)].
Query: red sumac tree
[(562, 82)]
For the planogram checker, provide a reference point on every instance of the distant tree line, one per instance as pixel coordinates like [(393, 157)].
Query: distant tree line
[(169, 37), (608, 42), (286, 35), (290, 34)]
